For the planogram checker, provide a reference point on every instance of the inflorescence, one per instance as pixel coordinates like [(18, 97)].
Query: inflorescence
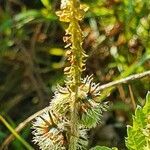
[(53, 129)]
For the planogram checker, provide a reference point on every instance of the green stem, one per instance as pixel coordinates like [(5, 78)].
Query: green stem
[(28, 147)]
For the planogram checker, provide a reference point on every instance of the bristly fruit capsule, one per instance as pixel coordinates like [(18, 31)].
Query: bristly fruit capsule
[(89, 110), (50, 131)]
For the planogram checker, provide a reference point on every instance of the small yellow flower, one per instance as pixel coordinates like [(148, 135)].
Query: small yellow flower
[(64, 4)]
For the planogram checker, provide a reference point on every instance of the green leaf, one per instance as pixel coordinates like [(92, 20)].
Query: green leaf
[(146, 108), (5, 25), (102, 12), (135, 139), (26, 17), (47, 14), (2, 135), (138, 134), (28, 147), (56, 51), (102, 148), (139, 118), (46, 3), (93, 116)]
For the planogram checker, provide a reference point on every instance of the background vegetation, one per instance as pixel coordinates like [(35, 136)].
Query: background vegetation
[(32, 60)]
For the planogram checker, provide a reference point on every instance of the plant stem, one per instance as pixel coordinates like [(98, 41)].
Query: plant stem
[(76, 78), (125, 80), (28, 147)]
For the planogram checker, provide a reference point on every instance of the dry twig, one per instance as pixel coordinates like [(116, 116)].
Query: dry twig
[(125, 80)]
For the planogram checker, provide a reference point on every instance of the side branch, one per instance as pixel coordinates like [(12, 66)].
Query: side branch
[(102, 87), (125, 80)]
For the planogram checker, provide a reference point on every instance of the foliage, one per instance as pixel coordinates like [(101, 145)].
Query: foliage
[(102, 148), (138, 133)]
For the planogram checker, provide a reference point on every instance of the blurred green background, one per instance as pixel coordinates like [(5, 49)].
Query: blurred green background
[(32, 58)]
